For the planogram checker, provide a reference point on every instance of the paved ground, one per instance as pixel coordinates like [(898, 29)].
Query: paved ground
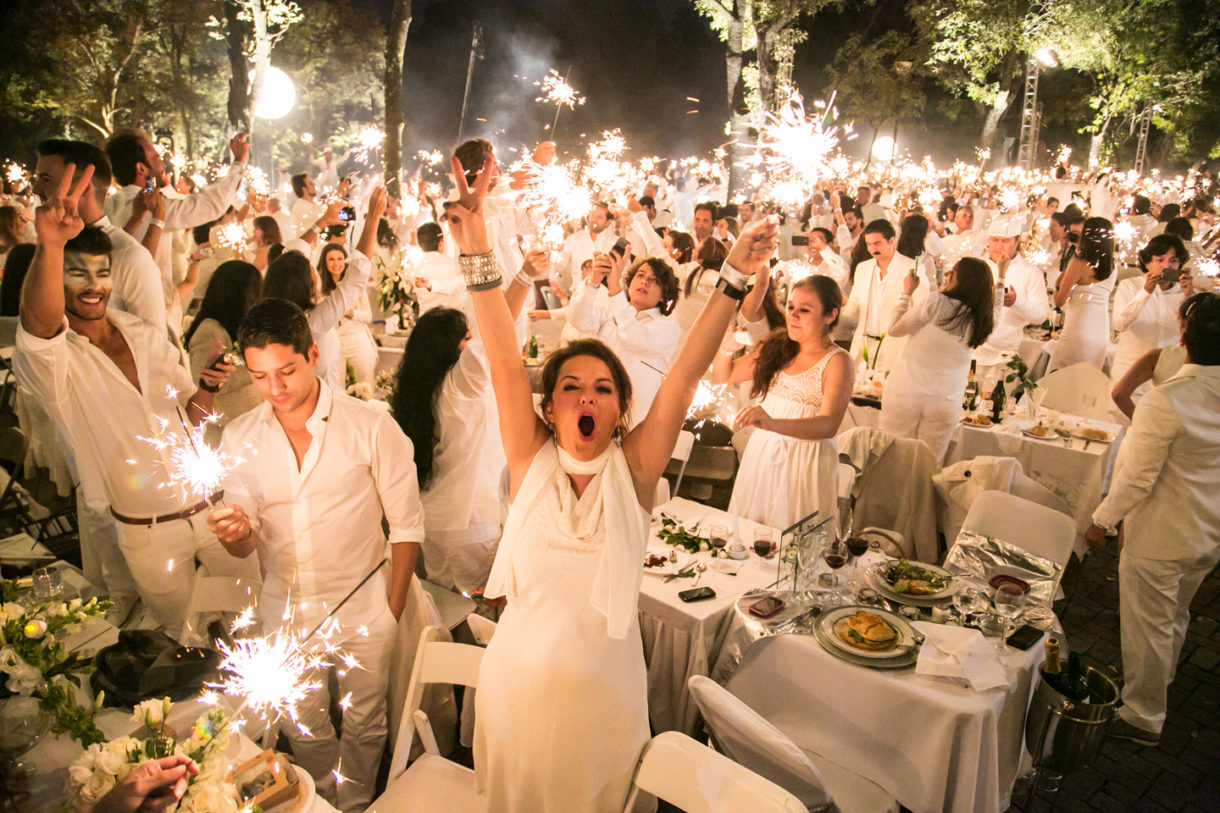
[(1183, 772)]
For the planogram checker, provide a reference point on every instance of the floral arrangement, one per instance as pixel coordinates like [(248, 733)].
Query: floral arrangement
[(361, 390), (36, 664), (396, 291), (871, 363), (103, 764), (387, 385)]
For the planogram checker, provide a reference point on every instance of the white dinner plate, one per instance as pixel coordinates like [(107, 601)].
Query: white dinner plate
[(685, 560), (904, 653), (928, 600)]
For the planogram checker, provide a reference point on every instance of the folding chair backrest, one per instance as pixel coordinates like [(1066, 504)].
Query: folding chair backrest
[(693, 777), (750, 740), (216, 594), (481, 628), (1027, 525), (1081, 389)]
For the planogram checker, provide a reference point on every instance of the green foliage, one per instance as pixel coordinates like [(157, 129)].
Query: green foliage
[(973, 44), (879, 81)]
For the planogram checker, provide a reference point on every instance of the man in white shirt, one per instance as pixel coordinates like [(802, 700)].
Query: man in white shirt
[(702, 223), (1023, 289), (1164, 492), (310, 502), (1145, 314), (328, 167), (137, 166), (874, 296), (110, 383), (634, 323), (870, 208), (305, 209), (849, 224), (962, 239), (818, 258), (437, 280), (596, 238)]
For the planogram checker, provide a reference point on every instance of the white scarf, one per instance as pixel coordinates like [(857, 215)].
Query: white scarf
[(616, 585)]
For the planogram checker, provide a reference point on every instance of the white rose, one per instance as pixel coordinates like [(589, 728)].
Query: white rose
[(148, 712), (79, 775), (99, 785), (11, 611), (22, 678), (110, 761), (205, 796), (57, 610)]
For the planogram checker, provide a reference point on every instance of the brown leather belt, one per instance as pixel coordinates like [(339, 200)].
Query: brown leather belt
[(183, 514)]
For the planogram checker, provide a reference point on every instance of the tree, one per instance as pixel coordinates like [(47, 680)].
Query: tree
[(766, 28), (978, 49), (251, 30), (395, 44), (878, 81)]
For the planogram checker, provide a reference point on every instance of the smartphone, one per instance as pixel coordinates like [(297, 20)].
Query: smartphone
[(620, 248), (1025, 637), (150, 184), (766, 607), (347, 214), (800, 239), (697, 594)]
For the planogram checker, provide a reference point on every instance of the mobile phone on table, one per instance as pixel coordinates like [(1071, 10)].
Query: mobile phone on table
[(766, 607), (697, 594), (620, 248), (1025, 637)]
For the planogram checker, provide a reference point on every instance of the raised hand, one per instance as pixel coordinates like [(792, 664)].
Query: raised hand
[(57, 221), (754, 247), (239, 145), (465, 215), (537, 262)]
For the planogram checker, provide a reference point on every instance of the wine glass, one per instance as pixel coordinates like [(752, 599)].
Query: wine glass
[(1009, 601), (835, 554), (967, 601)]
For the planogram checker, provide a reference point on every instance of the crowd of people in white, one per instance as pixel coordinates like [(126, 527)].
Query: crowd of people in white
[(141, 298)]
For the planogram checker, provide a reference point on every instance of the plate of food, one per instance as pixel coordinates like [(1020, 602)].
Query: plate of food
[(658, 563), (867, 634), (979, 420), (1093, 433), (1040, 432), (913, 582)]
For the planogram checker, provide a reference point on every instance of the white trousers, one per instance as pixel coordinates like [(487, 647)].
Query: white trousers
[(162, 560), (100, 557), (358, 351), (931, 419), (1154, 610), (357, 754)]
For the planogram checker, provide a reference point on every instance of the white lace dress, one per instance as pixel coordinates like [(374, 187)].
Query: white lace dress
[(561, 708), (783, 479)]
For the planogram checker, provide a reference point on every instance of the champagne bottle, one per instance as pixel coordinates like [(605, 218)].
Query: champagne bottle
[(1073, 685), (971, 401), (531, 348), (1052, 672)]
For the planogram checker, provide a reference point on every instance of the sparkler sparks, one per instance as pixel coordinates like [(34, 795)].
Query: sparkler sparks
[(195, 468), (15, 174), (795, 151), (552, 197), (368, 140), (273, 674), (232, 236), (257, 180), (554, 90)]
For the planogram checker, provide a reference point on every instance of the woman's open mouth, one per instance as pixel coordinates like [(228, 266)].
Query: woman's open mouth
[(586, 426)]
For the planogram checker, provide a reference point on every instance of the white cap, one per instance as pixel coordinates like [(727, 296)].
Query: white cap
[(1006, 227)]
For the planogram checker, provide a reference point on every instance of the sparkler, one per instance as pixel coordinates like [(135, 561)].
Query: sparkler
[(15, 174), (552, 197), (795, 150), (556, 90), (306, 138), (257, 180), (368, 139), (195, 468), (232, 236)]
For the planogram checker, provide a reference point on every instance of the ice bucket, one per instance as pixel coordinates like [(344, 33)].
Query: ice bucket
[(1062, 734)]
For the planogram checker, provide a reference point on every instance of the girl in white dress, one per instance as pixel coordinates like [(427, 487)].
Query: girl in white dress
[(356, 347), (789, 468), (1083, 291), (923, 393), (562, 697)]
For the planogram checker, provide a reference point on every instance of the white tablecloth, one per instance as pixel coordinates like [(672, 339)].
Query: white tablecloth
[(1077, 471), (683, 639), (931, 743)]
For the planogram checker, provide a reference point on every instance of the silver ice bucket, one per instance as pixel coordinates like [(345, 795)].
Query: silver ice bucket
[(1063, 735)]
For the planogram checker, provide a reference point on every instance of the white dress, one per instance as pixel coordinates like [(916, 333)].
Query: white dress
[(1086, 326), (562, 708), (783, 479)]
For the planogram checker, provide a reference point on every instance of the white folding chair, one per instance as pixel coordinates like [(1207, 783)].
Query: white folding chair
[(1081, 389), (212, 597), (481, 628), (681, 453), (432, 782), (745, 735), (1027, 525), (696, 779)]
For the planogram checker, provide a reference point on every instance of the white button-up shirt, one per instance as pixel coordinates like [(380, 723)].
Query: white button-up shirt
[(645, 341), (135, 277), (103, 419), (1144, 321), (874, 301), (1031, 307), (448, 288), (1168, 472), (187, 212), (581, 246), (319, 526)]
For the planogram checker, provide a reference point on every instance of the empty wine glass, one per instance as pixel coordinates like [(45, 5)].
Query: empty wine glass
[(1009, 600), (968, 601)]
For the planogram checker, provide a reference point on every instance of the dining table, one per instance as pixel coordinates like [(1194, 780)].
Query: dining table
[(933, 742)]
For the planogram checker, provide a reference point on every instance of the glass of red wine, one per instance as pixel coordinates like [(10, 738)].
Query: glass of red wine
[(718, 536), (764, 541), (835, 555)]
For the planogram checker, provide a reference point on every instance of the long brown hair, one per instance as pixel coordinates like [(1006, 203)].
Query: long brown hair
[(975, 291), (777, 350)]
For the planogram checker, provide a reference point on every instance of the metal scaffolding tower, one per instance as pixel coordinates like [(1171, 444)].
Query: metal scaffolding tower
[(1141, 147), (1029, 115)]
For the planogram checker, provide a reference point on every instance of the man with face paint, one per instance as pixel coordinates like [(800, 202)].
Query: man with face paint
[(108, 382)]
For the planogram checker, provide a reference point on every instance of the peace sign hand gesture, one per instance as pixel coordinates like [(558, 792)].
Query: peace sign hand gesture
[(57, 221), (465, 215)]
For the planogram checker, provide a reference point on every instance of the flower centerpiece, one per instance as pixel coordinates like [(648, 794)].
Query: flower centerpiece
[(37, 666), (397, 290), (104, 764), (1020, 376)]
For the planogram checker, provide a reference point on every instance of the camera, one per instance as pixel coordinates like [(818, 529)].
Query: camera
[(347, 214)]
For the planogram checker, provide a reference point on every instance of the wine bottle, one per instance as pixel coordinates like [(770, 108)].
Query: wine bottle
[(1052, 672), (531, 348), (997, 401), (971, 400), (1073, 685)]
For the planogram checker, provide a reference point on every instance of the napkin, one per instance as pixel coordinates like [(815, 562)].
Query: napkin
[(962, 653)]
